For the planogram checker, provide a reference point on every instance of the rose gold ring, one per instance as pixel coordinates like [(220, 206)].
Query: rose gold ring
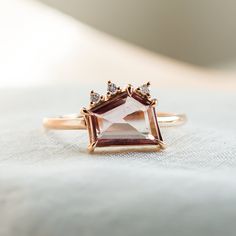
[(124, 117)]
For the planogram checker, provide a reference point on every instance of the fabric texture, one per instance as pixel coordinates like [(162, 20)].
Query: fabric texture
[(50, 185)]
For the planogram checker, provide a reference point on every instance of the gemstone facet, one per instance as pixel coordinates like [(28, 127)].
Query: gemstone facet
[(126, 119)]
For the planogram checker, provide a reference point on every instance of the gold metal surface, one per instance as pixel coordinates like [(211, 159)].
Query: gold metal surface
[(77, 121)]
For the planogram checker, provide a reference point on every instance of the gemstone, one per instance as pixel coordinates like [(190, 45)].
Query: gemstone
[(123, 120), (94, 97), (144, 89), (111, 88)]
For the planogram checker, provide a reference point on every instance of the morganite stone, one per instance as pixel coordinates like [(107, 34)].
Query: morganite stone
[(124, 120)]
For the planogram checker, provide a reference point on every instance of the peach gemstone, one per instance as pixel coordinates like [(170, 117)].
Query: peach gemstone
[(124, 120)]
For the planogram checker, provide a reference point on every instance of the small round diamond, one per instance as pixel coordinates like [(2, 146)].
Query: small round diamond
[(111, 88), (95, 97), (144, 89)]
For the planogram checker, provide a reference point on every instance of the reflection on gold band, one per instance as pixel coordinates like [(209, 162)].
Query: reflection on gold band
[(77, 122)]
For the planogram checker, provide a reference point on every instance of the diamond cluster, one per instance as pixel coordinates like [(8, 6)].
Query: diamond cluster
[(112, 89)]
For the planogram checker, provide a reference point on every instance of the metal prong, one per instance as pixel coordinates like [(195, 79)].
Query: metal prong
[(161, 145), (92, 147), (154, 102), (84, 111), (148, 83), (92, 104), (129, 90)]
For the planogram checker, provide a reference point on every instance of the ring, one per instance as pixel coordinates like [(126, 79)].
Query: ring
[(124, 118)]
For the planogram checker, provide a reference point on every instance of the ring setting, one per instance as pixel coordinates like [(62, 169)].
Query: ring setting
[(124, 118)]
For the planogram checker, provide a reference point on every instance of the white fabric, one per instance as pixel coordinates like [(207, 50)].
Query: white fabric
[(49, 185)]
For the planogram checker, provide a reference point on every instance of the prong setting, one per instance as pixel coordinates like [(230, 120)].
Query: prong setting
[(113, 90), (129, 89), (95, 98), (161, 145), (144, 90), (84, 111), (92, 147), (154, 102)]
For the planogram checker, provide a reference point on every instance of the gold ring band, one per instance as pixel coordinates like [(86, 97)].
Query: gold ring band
[(77, 122)]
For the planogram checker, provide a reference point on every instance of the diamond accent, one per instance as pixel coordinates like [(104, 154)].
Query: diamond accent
[(111, 88), (94, 97), (144, 89)]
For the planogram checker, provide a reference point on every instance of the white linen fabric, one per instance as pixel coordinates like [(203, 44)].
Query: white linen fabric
[(50, 185)]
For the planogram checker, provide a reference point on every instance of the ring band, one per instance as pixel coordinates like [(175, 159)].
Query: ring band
[(77, 122)]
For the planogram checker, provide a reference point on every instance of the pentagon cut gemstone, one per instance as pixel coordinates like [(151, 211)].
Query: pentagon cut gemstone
[(124, 120)]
